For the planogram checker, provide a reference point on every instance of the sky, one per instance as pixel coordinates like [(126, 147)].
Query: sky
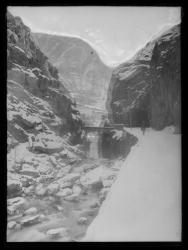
[(115, 32)]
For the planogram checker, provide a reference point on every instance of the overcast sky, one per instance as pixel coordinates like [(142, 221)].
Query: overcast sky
[(115, 32)]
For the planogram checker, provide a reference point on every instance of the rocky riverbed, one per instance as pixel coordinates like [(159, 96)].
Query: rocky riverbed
[(55, 196)]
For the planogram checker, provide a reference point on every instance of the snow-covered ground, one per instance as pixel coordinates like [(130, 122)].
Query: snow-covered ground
[(144, 203)]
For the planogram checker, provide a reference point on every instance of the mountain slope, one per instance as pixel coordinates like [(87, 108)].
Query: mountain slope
[(146, 89), (86, 76)]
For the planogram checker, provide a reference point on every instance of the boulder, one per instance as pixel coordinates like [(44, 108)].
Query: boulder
[(57, 232), (107, 183), (48, 147), (40, 190), (71, 177), (64, 192), (103, 193), (89, 166), (30, 219), (15, 204), (18, 226), (31, 211), (28, 190), (11, 224), (67, 184), (29, 171), (92, 178), (44, 168), (17, 167), (82, 220), (78, 169), (72, 197), (73, 161), (27, 121), (42, 217), (67, 154), (76, 190), (53, 188), (27, 180), (90, 212), (53, 160), (59, 208), (95, 204), (60, 173), (64, 171), (13, 187)]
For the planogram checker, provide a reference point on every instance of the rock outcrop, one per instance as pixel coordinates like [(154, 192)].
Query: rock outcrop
[(145, 91), (37, 101)]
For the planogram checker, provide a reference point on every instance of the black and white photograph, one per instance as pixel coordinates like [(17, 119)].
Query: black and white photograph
[(94, 124)]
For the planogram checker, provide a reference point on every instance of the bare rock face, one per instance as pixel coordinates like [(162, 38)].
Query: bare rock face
[(146, 89)]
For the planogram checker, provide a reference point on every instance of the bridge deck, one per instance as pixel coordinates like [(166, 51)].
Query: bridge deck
[(116, 126)]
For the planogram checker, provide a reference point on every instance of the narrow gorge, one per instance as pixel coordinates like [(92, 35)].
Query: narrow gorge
[(70, 118)]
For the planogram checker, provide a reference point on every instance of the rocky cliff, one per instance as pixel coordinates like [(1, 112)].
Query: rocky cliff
[(53, 189), (145, 91), (35, 93), (85, 75)]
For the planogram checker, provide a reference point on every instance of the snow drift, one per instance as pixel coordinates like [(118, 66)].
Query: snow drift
[(144, 204)]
